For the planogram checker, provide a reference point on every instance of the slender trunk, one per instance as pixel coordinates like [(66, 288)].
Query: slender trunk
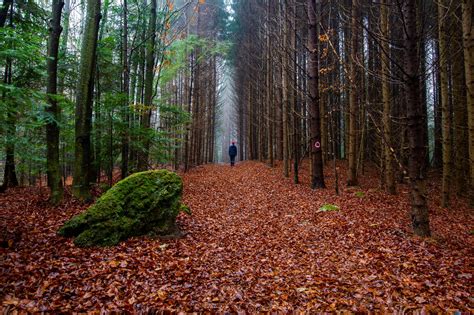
[(353, 97), (293, 98), (445, 108), (468, 40), (317, 176), (285, 103), (9, 175), (84, 101), (417, 149), (438, 137), (388, 151), (63, 45), (125, 91), (460, 130), (148, 102), (269, 94), (52, 127)]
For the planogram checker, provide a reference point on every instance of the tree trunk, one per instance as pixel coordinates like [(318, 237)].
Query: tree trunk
[(389, 178), (149, 75), (460, 129), (125, 91), (269, 92), (285, 103), (84, 100), (417, 149), (317, 176), (63, 45), (353, 97), (52, 127), (9, 175), (293, 97), (4, 11), (445, 108), (468, 40)]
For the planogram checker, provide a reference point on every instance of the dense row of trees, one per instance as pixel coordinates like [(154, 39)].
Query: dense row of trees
[(127, 84), (386, 82), (91, 86)]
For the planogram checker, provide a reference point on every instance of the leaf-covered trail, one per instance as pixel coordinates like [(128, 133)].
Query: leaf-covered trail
[(254, 242), (267, 238)]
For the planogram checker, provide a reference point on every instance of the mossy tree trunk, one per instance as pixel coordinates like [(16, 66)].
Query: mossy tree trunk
[(84, 100)]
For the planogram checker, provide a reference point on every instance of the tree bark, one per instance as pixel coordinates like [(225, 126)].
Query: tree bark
[(125, 91), (353, 97), (52, 127), (9, 176), (285, 103), (468, 46), (445, 108), (417, 150), (149, 75), (269, 90), (84, 100), (388, 151), (317, 176)]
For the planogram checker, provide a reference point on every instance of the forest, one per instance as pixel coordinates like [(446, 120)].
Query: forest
[(353, 122)]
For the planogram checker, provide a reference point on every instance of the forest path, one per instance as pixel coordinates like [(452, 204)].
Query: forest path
[(254, 242), (265, 240)]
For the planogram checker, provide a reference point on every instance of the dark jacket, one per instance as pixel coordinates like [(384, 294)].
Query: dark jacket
[(233, 150)]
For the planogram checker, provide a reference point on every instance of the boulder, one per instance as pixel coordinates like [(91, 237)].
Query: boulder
[(145, 202)]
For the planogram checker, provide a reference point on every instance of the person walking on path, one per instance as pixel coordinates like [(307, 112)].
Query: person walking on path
[(232, 153)]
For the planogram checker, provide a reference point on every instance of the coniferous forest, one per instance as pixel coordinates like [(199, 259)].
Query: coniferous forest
[(353, 186)]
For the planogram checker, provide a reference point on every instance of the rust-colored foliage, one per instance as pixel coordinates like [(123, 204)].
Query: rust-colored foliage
[(255, 242)]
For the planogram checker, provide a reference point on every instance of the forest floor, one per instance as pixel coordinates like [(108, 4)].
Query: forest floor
[(254, 242)]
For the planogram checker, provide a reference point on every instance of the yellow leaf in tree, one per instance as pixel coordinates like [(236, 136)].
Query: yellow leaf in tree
[(324, 38)]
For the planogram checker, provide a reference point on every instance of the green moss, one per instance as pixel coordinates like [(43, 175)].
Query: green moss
[(328, 207), (141, 203), (359, 194)]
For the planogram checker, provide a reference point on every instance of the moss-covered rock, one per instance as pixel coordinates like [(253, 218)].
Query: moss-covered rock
[(139, 204)]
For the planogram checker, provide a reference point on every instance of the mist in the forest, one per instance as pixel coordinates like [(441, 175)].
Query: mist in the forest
[(226, 127)]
